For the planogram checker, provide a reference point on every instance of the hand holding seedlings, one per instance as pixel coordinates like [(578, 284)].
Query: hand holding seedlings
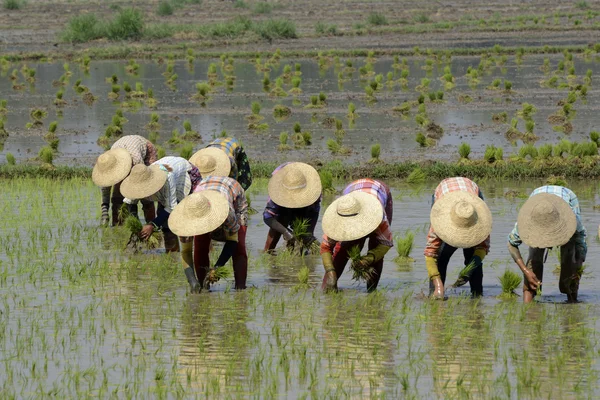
[(146, 231)]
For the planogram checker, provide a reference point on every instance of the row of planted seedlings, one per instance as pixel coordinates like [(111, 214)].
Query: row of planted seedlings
[(432, 131)]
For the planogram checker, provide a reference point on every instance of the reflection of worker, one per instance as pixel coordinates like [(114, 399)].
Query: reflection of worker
[(294, 194), (114, 165), (364, 211), (459, 219), (549, 218), (216, 210), (224, 157), (168, 181)]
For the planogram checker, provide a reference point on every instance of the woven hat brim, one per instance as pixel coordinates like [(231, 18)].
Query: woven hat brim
[(140, 190), (115, 175), (355, 227), (295, 198), (183, 222), (223, 167), (454, 235), (556, 234)]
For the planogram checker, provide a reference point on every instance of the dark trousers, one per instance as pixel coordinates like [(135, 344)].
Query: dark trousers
[(240, 258), (476, 280), (116, 201)]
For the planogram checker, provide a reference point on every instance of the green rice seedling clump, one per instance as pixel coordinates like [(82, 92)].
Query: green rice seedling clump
[(545, 151), (46, 155), (164, 8), (358, 272), (10, 159), (12, 4), (464, 151), (510, 281), (404, 245), (216, 274), (377, 19), (375, 152), (417, 176), (528, 150), (186, 151)]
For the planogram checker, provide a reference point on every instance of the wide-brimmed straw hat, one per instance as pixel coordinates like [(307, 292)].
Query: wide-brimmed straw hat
[(296, 185), (461, 219), (211, 161), (352, 216), (199, 213), (143, 181), (546, 220), (111, 167)]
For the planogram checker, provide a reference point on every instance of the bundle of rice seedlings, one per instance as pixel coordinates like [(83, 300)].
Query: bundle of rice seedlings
[(510, 281), (404, 245), (215, 274), (417, 176), (303, 275), (359, 272), (134, 225), (464, 274)]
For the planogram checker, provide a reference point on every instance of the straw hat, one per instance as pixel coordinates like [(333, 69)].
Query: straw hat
[(111, 167), (199, 213), (296, 185), (143, 181), (352, 216), (546, 220), (461, 219), (211, 161)]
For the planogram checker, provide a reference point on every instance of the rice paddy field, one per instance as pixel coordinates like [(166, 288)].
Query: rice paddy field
[(409, 92)]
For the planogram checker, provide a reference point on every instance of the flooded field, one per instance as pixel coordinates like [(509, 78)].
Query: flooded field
[(81, 318), (465, 112)]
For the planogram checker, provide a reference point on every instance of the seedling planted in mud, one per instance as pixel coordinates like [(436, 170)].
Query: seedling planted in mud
[(375, 153), (189, 133), (255, 116), (404, 245), (283, 141), (153, 125), (281, 112), (10, 159), (134, 226), (510, 281), (46, 155), (417, 176), (327, 181), (358, 272), (464, 151)]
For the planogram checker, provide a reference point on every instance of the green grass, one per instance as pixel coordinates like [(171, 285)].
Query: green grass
[(404, 245), (510, 281), (128, 24), (262, 7), (165, 8), (12, 4), (377, 19)]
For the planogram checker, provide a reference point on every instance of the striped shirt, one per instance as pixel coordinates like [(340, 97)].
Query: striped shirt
[(238, 205), (240, 167), (177, 186), (142, 151), (568, 196), (383, 234), (434, 243)]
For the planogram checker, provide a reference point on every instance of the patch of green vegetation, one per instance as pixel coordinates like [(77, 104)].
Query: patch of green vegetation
[(377, 19)]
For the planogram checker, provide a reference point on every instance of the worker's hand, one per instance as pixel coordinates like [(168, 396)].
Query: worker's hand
[(364, 262), (532, 281), (146, 231), (438, 288), (331, 281)]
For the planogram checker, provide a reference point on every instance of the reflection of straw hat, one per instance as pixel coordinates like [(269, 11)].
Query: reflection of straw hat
[(211, 161), (143, 181), (296, 185), (112, 167), (546, 220), (461, 219), (352, 216), (199, 213)]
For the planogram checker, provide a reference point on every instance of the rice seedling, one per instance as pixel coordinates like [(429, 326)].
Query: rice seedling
[(295, 90), (303, 275), (404, 246), (38, 115), (417, 176), (202, 92), (509, 281), (10, 159), (153, 125), (528, 150), (545, 151), (283, 142), (13, 4), (88, 98), (327, 181), (114, 92), (351, 115), (165, 8), (255, 116), (507, 86), (153, 137), (46, 155), (79, 88), (58, 100), (186, 151), (377, 19), (215, 274), (134, 226), (464, 151), (500, 117), (359, 272), (278, 89), (189, 133), (3, 132), (493, 154), (131, 68), (175, 138), (375, 153), (51, 131)]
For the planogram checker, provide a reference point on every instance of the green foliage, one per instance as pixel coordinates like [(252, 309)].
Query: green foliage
[(276, 29), (375, 151), (404, 244), (82, 28), (46, 155), (562, 147), (377, 19), (10, 159), (13, 4), (545, 151), (493, 153), (164, 8), (326, 181), (421, 139), (507, 85), (186, 151), (528, 150), (256, 107), (464, 150), (510, 281), (263, 8), (417, 176), (595, 136), (322, 28), (240, 4), (128, 24), (52, 127), (585, 149)]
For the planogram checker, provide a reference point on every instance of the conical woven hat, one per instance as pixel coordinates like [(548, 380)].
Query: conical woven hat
[(143, 181), (211, 161), (199, 213), (352, 216), (111, 167), (461, 219), (296, 185), (546, 220)]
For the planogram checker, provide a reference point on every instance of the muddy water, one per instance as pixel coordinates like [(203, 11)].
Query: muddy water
[(81, 125), (81, 318)]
